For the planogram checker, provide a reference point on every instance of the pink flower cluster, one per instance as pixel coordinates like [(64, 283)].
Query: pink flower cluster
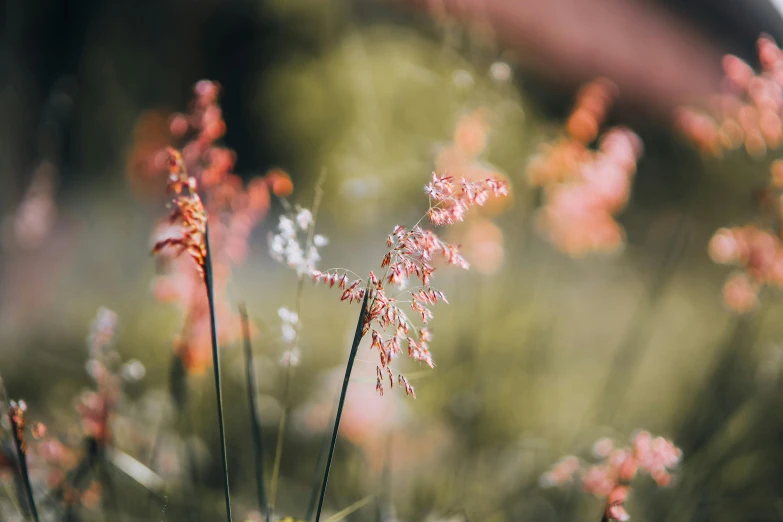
[(584, 189), (454, 200), (203, 172), (412, 254), (375, 425), (758, 253), (578, 215), (94, 407), (748, 112), (611, 477), (480, 237)]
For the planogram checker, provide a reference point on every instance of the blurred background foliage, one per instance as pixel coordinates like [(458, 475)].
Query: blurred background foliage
[(535, 360)]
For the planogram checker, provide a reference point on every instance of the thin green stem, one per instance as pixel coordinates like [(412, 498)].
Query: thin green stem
[(357, 337), (20, 453), (278, 451), (210, 284), (255, 425), (340, 515), (289, 374)]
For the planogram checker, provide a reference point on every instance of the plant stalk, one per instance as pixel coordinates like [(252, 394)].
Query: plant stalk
[(255, 425), (289, 370), (210, 284), (357, 337), (24, 472)]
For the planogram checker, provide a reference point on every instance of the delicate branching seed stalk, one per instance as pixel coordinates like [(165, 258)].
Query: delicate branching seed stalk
[(210, 284), (289, 367), (255, 425), (189, 214), (16, 416), (357, 337), (411, 254)]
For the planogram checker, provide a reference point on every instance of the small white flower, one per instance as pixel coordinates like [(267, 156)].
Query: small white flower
[(304, 218), (288, 316), (277, 247), (291, 357), (286, 227), (94, 368), (500, 71), (289, 333), (288, 245), (294, 256), (133, 370), (320, 241), (313, 256)]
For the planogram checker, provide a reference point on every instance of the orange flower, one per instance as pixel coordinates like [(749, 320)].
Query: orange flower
[(746, 113), (611, 477), (188, 212), (584, 189), (232, 209)]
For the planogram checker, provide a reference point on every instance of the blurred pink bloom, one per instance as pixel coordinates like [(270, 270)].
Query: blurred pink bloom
[(612, 476), (562, 472), (231, 207), (584, 188), (758, 253), (598, 480), (603, 447), (747, 112), (376, 425)]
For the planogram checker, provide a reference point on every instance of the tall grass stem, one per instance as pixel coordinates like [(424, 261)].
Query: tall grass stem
[(210, 284), (24, 472), (357, 337), (255, 425)]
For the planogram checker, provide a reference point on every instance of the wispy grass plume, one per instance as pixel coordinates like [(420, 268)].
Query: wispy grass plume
[(304, 264)]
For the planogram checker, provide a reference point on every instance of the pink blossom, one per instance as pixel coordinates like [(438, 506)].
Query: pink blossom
[(611, 477), (411, 256), (584, 189)]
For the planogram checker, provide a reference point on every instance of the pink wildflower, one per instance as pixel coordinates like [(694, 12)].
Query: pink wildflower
[(748, 111), (611, 477), (411, 256), (204, 187), (584, 188), (759, 254)]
